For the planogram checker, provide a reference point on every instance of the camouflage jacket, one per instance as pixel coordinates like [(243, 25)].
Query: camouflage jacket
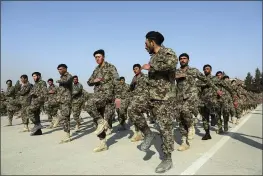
[(161, 74), (121, 90), (38, 94), (65, 88), (86, 95), (10, 93), (43, 82), (140, 86), (3, 97), (24, 93), (52, 96), (77, 93), (224, 87), (187, 83), (109, 75)]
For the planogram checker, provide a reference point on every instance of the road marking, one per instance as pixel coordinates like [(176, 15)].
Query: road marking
[(196, 165)]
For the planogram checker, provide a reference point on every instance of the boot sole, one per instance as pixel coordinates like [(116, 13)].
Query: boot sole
[(163, 171)]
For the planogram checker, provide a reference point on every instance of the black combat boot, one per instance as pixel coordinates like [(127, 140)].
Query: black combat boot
[(213, 120), (147, 142), (166, 164), (207, 135), (220, 131), (36, 129)]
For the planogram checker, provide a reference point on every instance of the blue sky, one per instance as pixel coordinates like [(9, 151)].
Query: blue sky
[(37, 36)]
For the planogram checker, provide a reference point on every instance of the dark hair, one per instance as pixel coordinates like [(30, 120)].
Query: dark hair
[(157, 37), (219, 72), (75, 77), (226, 77), (62, 65), (136, 65), (50, 79), (207, 65), (36, 73), (8, 81), (184, 55), (100, 51), (122, 78), (24, 76)]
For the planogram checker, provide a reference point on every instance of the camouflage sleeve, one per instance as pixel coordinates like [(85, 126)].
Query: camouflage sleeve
[(166, 62), (10, 92), (227, 87), (117, 91), (78, 90), (66, 82), (25, 89), (204, 79), (92, 78), (44, 83)]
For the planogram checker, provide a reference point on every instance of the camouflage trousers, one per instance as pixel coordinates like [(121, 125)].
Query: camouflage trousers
[(64, 115), (12, 107), (109, 114), (76, 110), (51, 109), (123, 111), (3, 108), (33, 113), (96, 107), (185, 110), (24, 114), (160, 109)]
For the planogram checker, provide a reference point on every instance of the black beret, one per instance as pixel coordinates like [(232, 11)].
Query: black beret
[(62, 65), (100, 51), (155, 36)]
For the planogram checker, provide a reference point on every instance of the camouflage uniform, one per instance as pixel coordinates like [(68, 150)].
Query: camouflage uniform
[(37, 95), (77, 102), (121, 91), (25, 102), (42, 108), (12, 103), (103, 95), (3, 109), (187, 99), (65, 99), (51, 105)]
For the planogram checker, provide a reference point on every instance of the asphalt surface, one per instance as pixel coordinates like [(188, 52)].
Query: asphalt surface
[(239, 152)]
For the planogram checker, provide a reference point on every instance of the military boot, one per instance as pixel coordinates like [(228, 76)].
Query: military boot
[(165, 165), (66, 138), (26, 129), (207, 135), (147, 142), (56, 122), (102, 125), (137, 136), (102, 146), (237, 122), (77, 127), (220, 131), (9, 122), (191, 132), (184, 146)]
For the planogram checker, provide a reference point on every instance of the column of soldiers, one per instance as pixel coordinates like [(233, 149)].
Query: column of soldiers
[(166, 93)]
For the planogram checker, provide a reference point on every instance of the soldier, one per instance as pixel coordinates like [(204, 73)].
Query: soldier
[(12, 104), (121, 91), (51, 105), (161, 70), (238, 100), (65, 99), (187, 97), (103, 79), (24, 100), (222, 102), (136, 98), (37, 94), (77, 100)]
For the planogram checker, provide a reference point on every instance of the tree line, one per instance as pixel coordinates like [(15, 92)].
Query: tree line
[(255, 83)]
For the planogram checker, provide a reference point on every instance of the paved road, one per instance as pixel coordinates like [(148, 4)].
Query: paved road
[(237, 153)]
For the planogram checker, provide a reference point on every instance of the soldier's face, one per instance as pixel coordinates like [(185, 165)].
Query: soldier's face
[(122, 81), (9, 84), (184, 61), (207, 70), (149, 46), (23, 80), (50, 83), (75, 80), (36, 78), (99, 59), (136, 70), (62, 70), (219, 75)]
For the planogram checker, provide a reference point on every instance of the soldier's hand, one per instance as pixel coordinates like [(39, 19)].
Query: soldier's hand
[(235, 104), (219, 92), (146, 67), (97, 80), (117, 103)]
